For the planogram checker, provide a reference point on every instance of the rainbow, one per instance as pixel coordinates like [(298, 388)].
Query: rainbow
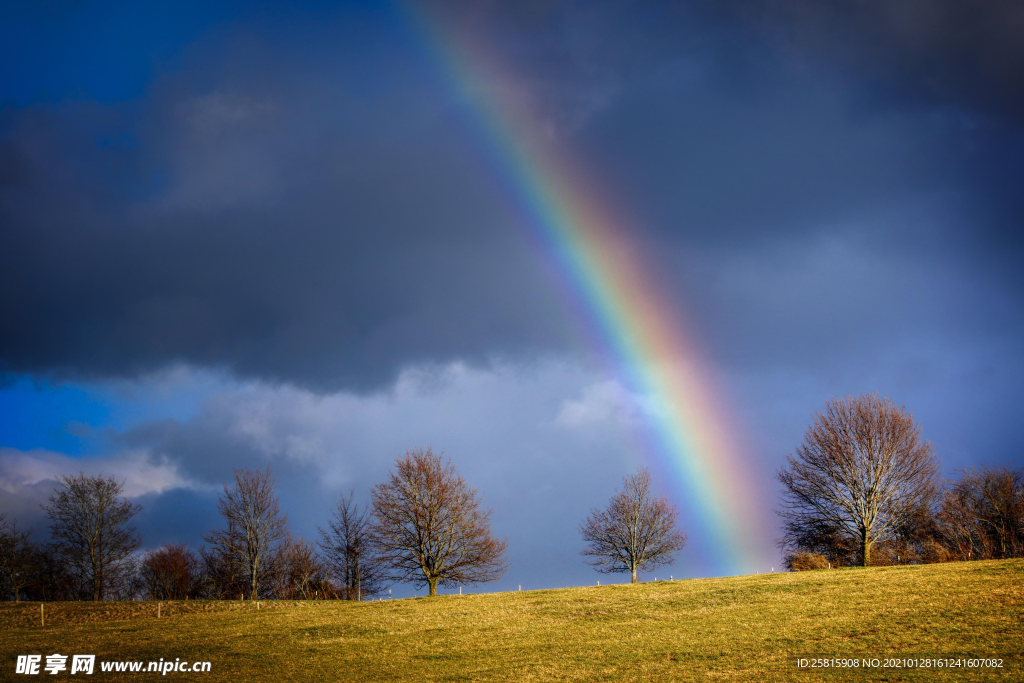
[(609, 282)]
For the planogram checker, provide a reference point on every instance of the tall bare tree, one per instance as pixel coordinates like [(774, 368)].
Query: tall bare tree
[(18, 558), (254, 524), (635, 532), (348, 551), (92, 528), (861, 472), (428, 527)]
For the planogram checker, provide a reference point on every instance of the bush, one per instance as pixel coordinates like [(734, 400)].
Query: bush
[(805, 562)]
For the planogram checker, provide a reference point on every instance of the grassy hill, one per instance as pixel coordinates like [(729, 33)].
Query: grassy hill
[(741, 628)]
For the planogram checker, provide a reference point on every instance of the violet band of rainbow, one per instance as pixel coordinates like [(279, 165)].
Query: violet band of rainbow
[(607, 281)]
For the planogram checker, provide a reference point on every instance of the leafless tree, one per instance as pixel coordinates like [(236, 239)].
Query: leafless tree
[(635, 532), (93, 531), (171, 572), (254, 524), (297, 572), (54, 579), (982, 514), (958, 525), (348, 551), (861, 472), (915, 540), (428, 527), (18, 558), (221, 568)]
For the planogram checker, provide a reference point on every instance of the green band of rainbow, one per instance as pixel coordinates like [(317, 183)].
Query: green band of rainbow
[(579, 232)]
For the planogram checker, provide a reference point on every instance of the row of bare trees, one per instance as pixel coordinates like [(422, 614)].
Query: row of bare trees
[(93, 554), (864, 489), (91, 549), (425, 525), (291, 570)]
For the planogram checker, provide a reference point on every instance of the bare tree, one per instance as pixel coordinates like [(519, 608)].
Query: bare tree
[(171, 572), (916, 540), (1000, 508), (53, 577), (221, 568), (428, 527), (635, 532), (254, 524), (18, 558), (93, 531), (958, 525), (348, 551), (297, 571), (982, 514), (861, 472)]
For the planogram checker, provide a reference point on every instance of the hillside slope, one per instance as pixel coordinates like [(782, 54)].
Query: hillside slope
[(740, 628)]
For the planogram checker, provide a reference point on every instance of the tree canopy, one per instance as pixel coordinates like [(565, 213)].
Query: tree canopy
[(861, 473), (429, 527), (635, 531)]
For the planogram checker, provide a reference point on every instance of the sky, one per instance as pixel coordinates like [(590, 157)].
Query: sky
[(312, 236)]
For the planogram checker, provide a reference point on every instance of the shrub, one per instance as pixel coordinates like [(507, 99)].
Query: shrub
[(804, 562)]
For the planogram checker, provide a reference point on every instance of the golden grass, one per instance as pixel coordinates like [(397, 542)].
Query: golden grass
[(749, 628)]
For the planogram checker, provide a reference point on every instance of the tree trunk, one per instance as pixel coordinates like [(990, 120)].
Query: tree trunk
[(867, 548), (433, 586), (634, 580)]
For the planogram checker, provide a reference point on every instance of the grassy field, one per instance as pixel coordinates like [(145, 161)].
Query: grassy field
[(748, 628)]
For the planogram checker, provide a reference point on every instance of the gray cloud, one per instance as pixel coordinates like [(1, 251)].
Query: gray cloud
[(321, 215), (960, 53), (241, 232), (27, 478)]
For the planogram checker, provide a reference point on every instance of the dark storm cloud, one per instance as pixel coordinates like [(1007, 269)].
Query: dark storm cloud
[(177, 516), (955, 67), (748, 122), (312, 233), (293, 210), (960, 53)]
